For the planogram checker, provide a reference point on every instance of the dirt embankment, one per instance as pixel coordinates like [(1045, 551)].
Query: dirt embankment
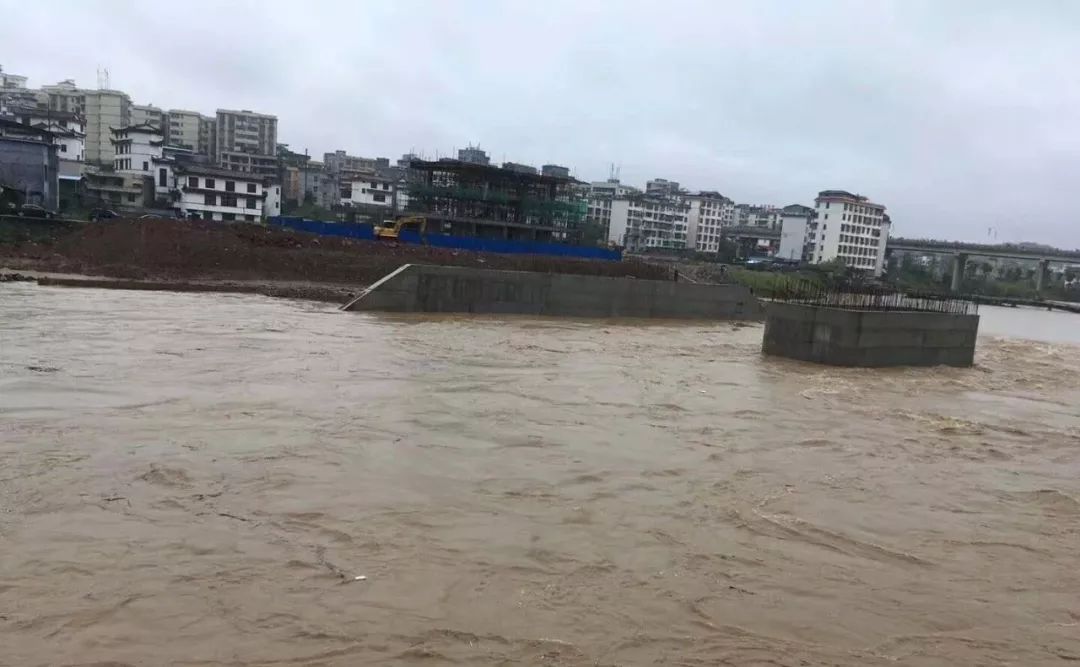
[(171, 250)]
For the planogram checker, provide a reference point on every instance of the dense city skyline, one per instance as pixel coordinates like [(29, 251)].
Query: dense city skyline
[(958, 118)]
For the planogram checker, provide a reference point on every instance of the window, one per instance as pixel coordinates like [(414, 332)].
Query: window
[(146, 166), (251, 202), (193, 181), (162, 177), (228, 216), (63, 148), (228, 200), (385, 186), (379, 197), (209, 184), (210, 199), (826, 206), (230, 186), (249, 218), (131, 198)]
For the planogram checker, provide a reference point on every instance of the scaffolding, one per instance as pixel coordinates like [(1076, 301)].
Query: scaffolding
[(482, 200)]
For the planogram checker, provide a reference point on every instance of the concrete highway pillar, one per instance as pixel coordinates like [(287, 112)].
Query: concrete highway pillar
[(1040, 274), (959, 261)]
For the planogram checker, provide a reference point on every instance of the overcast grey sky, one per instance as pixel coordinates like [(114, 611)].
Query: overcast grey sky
[(958, 116)]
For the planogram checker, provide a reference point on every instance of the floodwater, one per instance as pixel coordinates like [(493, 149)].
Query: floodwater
[(199, 479)]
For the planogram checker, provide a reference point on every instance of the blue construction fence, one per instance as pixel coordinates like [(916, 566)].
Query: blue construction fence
[(363, 231), (366, 232)]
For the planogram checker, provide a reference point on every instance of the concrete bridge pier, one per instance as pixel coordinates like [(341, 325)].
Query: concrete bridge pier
[(959, 262), (1040, 274)]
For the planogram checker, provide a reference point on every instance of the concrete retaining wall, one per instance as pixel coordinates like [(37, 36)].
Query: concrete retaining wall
[(869, 338), (446, 289)]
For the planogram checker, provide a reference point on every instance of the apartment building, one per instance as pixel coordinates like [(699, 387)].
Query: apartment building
[(598, 211), (64, 96), (473, 155), (136, 147), (747, 215), (104, 109), (369, 191), (181, 129), (796, 223), (129, 185), (520, 168), (709, 213), (10, 81), (555, 170), (246, 141), (598, 198), (661, 187), (15, 99), (210, 193), (68, 129), (147, 114), (849, 228), (347, 166), (29, 166), (318, 186), (207, 137), (612, 188), (643, 222)]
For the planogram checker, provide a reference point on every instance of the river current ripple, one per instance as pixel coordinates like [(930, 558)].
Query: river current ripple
[(200, 479)]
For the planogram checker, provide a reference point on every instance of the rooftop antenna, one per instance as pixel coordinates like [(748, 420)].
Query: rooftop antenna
[(103, 78)]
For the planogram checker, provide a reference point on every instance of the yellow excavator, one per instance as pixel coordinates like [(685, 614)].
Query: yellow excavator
[(410, 222)]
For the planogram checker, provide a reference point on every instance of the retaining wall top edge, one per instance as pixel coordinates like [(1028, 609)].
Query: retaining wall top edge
[(474, 269)]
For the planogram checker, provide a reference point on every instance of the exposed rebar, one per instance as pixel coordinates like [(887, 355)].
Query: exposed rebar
[(795, 290)]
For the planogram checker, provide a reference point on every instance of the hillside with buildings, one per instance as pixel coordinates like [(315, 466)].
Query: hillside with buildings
[(106, 152)]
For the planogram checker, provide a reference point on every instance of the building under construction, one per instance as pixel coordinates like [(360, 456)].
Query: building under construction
[(467, 199)]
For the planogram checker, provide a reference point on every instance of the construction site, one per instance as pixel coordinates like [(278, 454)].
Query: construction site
[(484, 201), (202, 255)]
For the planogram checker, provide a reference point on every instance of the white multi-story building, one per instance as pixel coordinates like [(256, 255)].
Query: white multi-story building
[(709, 213), (661, 187), (612, 188), (11, 80), (68, 129), (208, 193), (64, 96), (642, 222), (795, 228), (369, 191), (136, 148), (598, 198), (849, 228), (747, 215)]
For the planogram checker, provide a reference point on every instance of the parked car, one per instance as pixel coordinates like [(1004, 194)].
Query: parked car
[(103, 214), (34, 211)]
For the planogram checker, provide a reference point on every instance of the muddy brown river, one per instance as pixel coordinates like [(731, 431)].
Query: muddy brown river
[(203, 479)]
